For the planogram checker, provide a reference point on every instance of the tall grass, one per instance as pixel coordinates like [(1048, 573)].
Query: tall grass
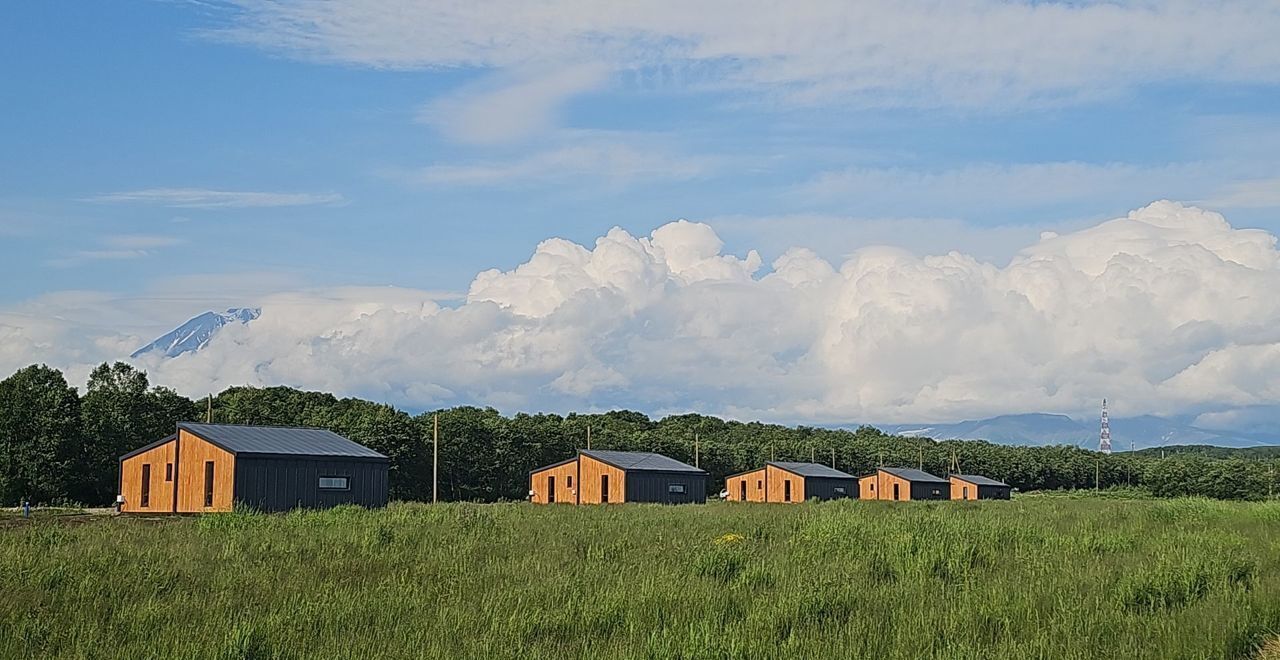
[(1031, 578)]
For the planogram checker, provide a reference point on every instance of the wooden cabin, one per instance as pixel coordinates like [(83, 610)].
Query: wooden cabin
[(977, 487), (213, 467), (780, 481), (892, 483), (598, 476)]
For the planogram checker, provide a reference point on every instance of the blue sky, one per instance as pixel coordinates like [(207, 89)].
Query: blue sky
[(203, 154)]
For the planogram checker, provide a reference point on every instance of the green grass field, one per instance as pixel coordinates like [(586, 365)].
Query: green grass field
[(1037, 577)]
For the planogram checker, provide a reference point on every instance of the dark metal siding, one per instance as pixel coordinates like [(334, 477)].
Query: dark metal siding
[(924, 490), (646, 486), (993, 492), (285, 483), (825, 488)]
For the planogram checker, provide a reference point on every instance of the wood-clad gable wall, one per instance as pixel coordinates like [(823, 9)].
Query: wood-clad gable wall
[(565, 481), (879, 486), (776, 480), (591, 472), (193, 453), (963, 490), (160, 498), (754, 481)]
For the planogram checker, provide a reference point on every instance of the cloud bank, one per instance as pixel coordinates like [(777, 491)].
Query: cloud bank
[(1168, 309)]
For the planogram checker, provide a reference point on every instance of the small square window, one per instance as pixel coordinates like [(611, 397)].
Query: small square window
[(936, 492), (759, 484), (333, 483), (675, 488), (840, 490)]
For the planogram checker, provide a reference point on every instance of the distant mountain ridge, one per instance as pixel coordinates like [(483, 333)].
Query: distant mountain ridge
[(1142, 432), (196, 332)]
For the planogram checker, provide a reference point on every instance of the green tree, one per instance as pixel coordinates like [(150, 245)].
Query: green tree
[(39, 426), (119, 413)]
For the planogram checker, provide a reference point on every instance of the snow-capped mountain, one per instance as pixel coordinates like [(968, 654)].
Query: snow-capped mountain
[(195, 333), (1043, 429)]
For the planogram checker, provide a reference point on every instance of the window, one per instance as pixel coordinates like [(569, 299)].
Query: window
[(786, 490), (146, 485), (604, 489), (334, 483), (936, 492), (840, 490), (168, 471), (208, 483), (759, 485), (568, 481), (873, 487), (964, 492), (677, 489)]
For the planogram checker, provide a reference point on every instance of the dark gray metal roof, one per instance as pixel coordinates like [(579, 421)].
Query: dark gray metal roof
[(812, 470), (279, 440), (979, 480), (639, 460), (911, 474)]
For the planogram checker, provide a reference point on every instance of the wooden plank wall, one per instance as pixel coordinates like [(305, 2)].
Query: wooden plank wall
[(565, 493), (775, 484), (883, 490), (192, 454), (755, 486), (591, 471), (958, 487), (161, 497)]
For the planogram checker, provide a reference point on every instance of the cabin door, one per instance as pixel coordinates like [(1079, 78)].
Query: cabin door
[(742, 489), (895, 491), (551, 490)]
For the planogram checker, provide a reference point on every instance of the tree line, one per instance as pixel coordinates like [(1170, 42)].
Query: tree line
[(62, 446)]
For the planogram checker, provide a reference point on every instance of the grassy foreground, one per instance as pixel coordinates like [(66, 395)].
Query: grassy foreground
[(1031, 578)]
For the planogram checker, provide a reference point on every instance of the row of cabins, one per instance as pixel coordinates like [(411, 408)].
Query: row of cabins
[(602, 477), (213, 467)]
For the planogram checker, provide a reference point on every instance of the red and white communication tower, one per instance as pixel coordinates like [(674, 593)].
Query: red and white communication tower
[(1104, 438)]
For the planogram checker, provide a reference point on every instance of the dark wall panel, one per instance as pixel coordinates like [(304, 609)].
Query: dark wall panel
[(281, 484), (824, 488), (655, 487), (993, 492), (927, 490)]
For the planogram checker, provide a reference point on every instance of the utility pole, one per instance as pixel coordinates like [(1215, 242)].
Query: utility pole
[(435, 458), (833, 458), (922, 458), (813, 456), (588, 437), (1097, 474), (208, 415), (695, 451)]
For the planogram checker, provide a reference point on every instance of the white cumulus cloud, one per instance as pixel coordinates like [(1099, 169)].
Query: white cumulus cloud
[(1168, 309)]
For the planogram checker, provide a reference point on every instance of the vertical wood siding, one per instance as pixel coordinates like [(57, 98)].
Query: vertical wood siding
[(192, 454), (775, 483), (755, 486), (883, 483), (564, 493), (161, 497), (590, 472)]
